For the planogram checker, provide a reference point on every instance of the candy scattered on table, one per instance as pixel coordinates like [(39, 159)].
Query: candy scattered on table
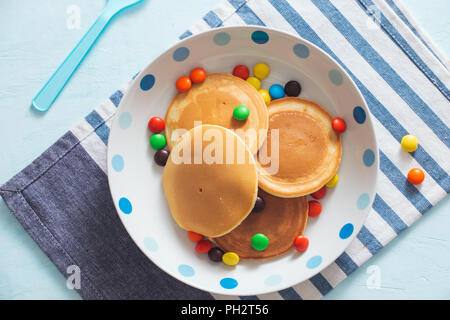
[(265, 95), (241, 71), (260, 204), (254, 81), (260, 241), (292, 88), (158, 141), (261, 70), (197, 75), (333, 182), (194, 236), (215, 254), (338, 125), (416, 176), (319, 194), (183, 84), (203, 246), (276, 91), (314, 208), (156, 125), (230, 258), (409, 143), (241, 112), (301, 243), (161, 157)]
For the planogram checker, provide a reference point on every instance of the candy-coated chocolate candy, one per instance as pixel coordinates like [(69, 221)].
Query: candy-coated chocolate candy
[(183, 84), (292, 88), (276, 91), (314, 208), (198, 75), (338, 125), (161, 157), (254, 81), (416, 176), (266, 95), (158, 141), (203, 246), (261, 70), (194, 236), (230, 258), (409, 143), (215, 254), (301, 243), (333, 181), (319, 194), (241, 71), (241, 112), (260, 241), (260, 204), (156, 124)]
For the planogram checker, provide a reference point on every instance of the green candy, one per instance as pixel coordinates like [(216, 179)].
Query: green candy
[(158, 141), (241, 112), (260, 242)]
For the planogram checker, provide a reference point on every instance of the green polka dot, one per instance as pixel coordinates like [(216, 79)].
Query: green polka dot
[(336, 77), (222, 38)]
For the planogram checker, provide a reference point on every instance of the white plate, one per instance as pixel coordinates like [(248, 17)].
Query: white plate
[(135, 180)]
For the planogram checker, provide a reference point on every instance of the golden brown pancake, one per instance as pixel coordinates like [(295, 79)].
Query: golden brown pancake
[(207, 195), (281, 221), (213, 102), (309, 149)]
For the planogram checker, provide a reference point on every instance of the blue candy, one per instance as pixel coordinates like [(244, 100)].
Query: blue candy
[(276, 91)]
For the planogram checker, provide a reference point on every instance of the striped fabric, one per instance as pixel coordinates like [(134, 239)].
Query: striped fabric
[(405, 83)]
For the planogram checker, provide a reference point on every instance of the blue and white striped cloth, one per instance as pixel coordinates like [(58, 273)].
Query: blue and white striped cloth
[(403, 78)]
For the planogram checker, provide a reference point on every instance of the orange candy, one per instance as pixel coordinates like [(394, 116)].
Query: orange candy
[(198, 75), (196, 237), (416, 176), (183, 84), (314, 208), (301, 243)]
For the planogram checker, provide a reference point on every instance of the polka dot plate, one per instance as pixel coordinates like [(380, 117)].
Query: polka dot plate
[(135, 180)]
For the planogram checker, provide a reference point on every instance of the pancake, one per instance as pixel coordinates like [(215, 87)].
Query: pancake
[(206, 194), (281, 221), (309, 149), (213, 102)]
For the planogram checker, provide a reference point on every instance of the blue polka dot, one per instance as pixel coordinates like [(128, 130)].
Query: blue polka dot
[(222, 38), (147, 82), (125, 205), (363, 201), (125, 120), (273, 280), (117, 163), (228, 283), (335, 77), (346, 231), (260, 37), (150, 244), (314, 262), (186, 270), (359, 115), (181, 54), (301, 51), (368, 157)]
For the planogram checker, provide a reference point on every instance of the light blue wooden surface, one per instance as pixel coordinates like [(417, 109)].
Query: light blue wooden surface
[(34, 39)]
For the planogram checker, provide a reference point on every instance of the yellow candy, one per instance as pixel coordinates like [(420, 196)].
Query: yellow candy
[(261, 70), (230, 258), (266, 95), (409, 143), (254, 82), (333, 181)]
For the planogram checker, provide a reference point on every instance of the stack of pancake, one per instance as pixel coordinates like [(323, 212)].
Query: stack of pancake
[(281, 152)]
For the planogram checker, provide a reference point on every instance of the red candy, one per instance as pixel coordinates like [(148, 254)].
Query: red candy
[(156, 124), (183, 84), (196, 237), (241, 72), (314, 208), (203, 246), (198, 75), (338, 125), (319, 194), (416, 176), (301, 243)]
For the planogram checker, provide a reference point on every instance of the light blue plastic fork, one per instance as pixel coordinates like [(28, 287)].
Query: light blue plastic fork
[(47, 95)]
